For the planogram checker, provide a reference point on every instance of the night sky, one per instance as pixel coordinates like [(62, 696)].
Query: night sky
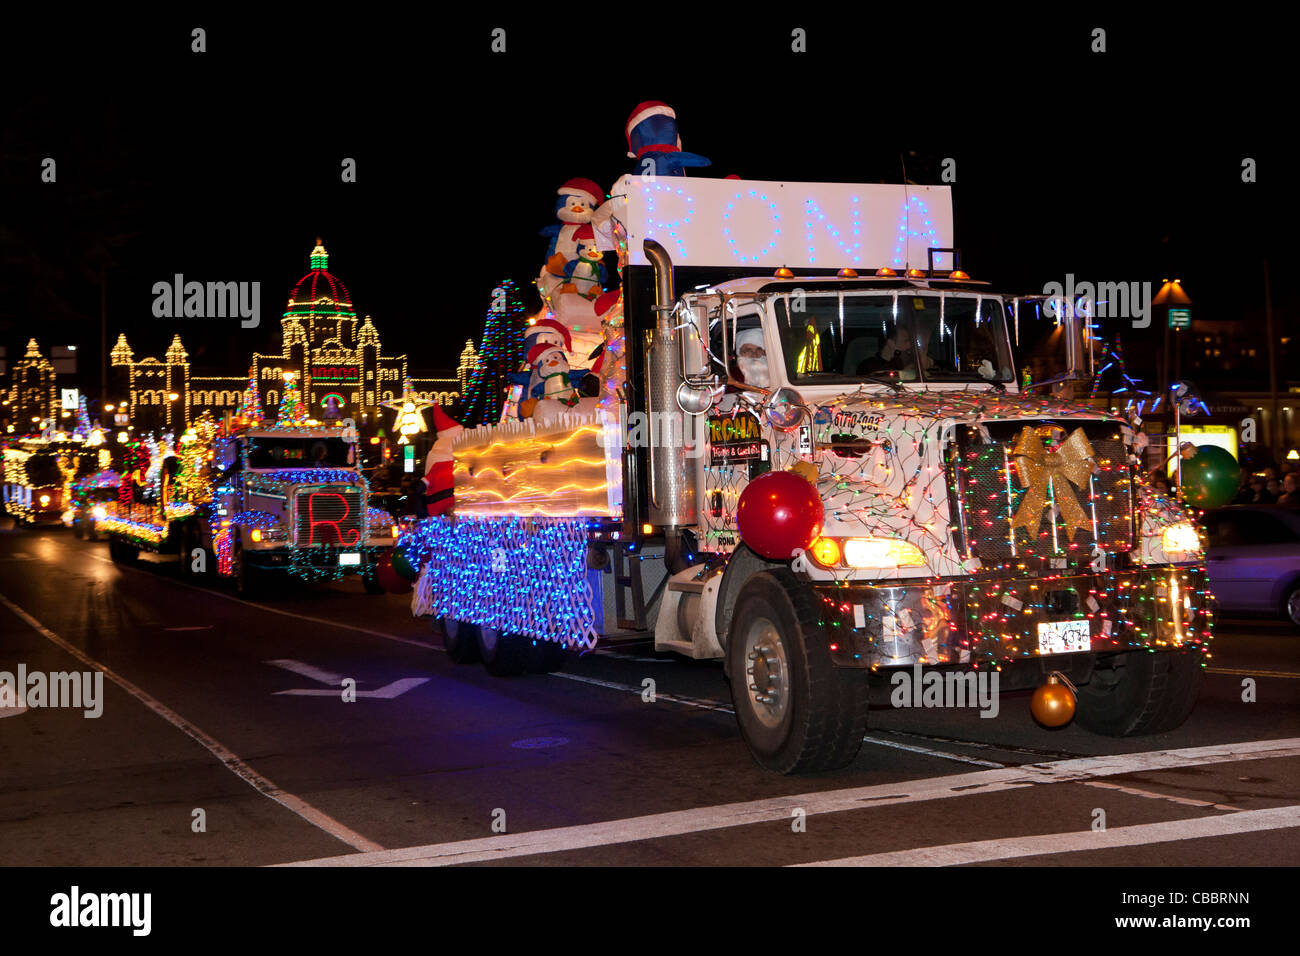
[(224, 166)]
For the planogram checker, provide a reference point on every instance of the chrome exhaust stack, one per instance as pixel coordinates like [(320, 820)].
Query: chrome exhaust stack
[(673, 491)]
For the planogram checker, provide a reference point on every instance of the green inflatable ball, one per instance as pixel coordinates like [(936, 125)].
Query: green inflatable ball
[(403, 566), (1211, 478)]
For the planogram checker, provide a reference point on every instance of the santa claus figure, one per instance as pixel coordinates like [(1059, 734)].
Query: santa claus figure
[(439, 494)]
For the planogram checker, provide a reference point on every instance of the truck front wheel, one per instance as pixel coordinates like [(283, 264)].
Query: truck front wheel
[(1140, 693), (797, 711)]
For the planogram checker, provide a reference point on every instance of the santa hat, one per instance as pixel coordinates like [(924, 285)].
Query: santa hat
[(442, 421), (584, 188), (540, 349), (642, 113), (549, 327)]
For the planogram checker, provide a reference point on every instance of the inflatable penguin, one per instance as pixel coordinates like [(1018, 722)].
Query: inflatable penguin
[(585, 274), (655, 144), (578, 199)]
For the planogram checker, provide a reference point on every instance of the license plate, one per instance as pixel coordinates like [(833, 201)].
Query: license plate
[(349, 559), (1064, 637)]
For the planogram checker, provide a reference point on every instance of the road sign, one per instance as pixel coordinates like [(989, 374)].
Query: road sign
[(1180, 318), (70, 399)]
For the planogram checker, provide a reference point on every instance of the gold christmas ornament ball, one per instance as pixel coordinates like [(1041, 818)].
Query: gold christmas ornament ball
[(1053, 703)]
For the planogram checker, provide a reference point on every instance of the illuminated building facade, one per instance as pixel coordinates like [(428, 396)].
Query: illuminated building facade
[(332, 352), (31, 393)]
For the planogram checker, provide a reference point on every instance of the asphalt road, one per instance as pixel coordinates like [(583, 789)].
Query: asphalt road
[(226, 713)]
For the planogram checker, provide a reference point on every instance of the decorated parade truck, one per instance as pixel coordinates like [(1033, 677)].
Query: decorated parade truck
[(256, 502), (40, 474), (807, 449)]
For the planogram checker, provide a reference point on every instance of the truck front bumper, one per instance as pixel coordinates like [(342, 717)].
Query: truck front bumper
[(318, 562), (981, 621)]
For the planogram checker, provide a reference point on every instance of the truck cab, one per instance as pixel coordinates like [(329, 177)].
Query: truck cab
[(293, 501)]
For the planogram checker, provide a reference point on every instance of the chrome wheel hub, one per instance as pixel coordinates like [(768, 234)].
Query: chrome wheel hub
[(767, 673)]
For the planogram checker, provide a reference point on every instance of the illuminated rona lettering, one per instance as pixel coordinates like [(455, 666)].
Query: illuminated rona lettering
[(313, 522), (850, 248)]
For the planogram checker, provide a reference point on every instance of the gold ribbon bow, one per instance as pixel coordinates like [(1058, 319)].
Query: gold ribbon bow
[(1037, 468)]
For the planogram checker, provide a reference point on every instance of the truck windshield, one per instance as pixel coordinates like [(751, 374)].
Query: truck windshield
[(911, 337), (268, 452)]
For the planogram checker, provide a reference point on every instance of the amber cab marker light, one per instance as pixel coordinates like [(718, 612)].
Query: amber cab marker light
[(958, 275), (784, 273), (885, 272), (847, 273)]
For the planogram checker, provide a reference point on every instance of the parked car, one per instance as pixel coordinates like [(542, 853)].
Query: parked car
[(1253, 559)]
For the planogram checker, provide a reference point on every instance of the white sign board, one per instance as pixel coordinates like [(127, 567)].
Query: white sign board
[(70, 399), (738, 222)]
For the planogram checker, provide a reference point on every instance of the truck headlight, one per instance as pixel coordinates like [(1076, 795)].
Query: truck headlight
[(45, 500), (882, 553), (99, 511), (1180, 538), (866, 553)]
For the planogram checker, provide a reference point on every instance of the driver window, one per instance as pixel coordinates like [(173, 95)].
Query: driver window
[(749, 355)]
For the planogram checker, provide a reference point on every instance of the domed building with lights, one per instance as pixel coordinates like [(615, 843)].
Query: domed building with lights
[(333, 353)]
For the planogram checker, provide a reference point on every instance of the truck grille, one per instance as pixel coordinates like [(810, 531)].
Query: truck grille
[(328, 516), (1039, 492)]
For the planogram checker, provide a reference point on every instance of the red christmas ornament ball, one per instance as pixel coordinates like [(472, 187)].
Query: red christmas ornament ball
[(778, 514), (388, 578)]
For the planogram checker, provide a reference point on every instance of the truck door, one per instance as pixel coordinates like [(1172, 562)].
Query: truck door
[(1053, 341)]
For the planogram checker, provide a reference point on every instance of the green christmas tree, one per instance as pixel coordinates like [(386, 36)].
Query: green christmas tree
[(82, 429), (250, 410), (503, 343), (292, 413)]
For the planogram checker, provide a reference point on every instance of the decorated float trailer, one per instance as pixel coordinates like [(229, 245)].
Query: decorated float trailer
[(39, 475), (258, 502), (812, 458)]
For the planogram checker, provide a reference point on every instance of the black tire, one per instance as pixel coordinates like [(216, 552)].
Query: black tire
[(816, 713), (545, 657), (1140, 693), (370, 581), (459, 640), (1291, 606), (121, 552), (503, 654), (249, 580), (187, 539)]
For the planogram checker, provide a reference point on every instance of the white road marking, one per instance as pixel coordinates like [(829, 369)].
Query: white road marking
[(1076, 841), (677, 823), (308, 670), (223, 753), (1152, 795), (396, 689)]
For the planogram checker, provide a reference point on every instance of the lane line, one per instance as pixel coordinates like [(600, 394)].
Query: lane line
[(274, 610), (1247, 673), (672, 698), (223, 753), (681, 822), (913, 748), (1076, 841), (1152, 795)]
